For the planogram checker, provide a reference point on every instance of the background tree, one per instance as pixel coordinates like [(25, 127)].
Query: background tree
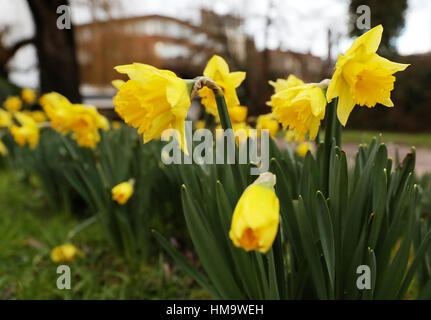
[(389, 13), (56, 52)]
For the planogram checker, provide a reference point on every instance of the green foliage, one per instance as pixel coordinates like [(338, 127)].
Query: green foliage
[(29, 230), (368, 217), (79, 180)]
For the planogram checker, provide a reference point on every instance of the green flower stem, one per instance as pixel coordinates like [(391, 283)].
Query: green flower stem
[(226, 124), (222, 111), (332, 134)]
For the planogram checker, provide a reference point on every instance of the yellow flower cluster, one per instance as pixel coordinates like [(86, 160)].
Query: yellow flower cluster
[(82, 121), (27, 133), (361, 77)]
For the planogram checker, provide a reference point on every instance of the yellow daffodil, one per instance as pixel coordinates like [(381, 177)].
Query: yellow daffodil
[(12, 104), (27, 133), (3, 149), (218, 70), (5, 119), (65, 253), (28, 96), (153, 100), (256, 216), (362, 76), (58, 110), (122, 192), (267, 121), (283, 84), (303, 148), (299, 108), (238, 114), (83, 121)]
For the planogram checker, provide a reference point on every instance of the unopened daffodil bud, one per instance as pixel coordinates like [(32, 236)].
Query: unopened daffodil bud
[(256, 216), (122, 192)]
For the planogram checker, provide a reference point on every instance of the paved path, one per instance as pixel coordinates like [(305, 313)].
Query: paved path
[(423, 155)]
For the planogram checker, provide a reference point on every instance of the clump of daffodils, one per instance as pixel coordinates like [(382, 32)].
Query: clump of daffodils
[(65, 253), (27, 133), (82, 121), (152, 100), (122, 192), (256, 216), (362, 77)]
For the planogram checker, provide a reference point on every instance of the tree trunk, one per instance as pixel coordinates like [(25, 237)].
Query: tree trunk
[(58, 66)]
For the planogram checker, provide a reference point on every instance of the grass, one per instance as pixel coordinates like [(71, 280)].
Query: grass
[(417, 139), (29, 231)]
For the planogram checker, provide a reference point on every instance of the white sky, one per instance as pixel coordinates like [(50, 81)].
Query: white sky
[(300, 25)]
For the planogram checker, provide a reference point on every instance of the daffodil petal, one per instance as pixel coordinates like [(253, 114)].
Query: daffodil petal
[(236, 78), (216, 64), (345, 105), (369, 40)]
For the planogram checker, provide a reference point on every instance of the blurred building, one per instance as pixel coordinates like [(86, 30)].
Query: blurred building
[(174, 44), (161, 41)]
